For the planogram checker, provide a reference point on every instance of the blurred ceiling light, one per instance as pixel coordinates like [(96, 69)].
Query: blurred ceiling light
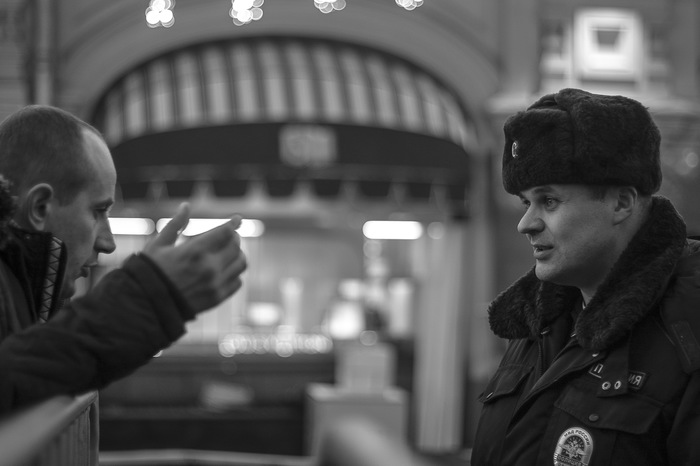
[(131, 226), (328, 6), (250, 228), (409, 4), (388, 229), (242, 12), (159, 13)]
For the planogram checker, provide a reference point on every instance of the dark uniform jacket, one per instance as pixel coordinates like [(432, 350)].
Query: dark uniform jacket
[(617, 385), (119, 325)]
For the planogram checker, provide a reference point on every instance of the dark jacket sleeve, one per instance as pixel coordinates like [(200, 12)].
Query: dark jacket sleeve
[(681, 316), (119, 325), (682, 443)]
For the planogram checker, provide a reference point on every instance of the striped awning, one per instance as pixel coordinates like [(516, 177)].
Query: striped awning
[(284, 111), (280, 80)]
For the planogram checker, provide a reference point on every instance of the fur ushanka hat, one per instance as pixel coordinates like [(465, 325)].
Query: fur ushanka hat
[(575, 137)]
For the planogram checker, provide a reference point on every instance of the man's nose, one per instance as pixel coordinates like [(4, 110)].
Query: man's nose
[(105, 240)]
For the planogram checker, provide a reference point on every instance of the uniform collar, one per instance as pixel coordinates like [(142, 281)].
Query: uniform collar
[(635, 284)]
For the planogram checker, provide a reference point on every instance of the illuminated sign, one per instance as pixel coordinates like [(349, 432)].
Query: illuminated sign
[(308, 146)]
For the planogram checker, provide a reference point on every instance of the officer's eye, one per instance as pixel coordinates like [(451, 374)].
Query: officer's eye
[(550, 202)]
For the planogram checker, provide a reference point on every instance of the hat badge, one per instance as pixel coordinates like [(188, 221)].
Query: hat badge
[(514, 149)]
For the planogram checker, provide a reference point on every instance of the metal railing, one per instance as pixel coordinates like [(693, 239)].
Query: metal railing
[(175, 457), (64, 431), (61, 431)]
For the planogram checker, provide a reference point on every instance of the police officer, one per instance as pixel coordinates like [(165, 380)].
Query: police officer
[(602, 361)]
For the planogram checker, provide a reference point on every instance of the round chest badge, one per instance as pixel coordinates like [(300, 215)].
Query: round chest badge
[(574, 448)]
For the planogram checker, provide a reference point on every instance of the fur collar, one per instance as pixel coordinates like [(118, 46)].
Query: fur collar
[(635, 284), (7, 209)]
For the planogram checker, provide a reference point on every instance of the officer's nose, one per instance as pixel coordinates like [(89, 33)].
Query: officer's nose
[(530, 223)]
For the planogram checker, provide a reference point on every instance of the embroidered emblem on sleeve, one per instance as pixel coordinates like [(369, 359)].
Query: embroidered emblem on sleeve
[(514, 149), (574, 448)]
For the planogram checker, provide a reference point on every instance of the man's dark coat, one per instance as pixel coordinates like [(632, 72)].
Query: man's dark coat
[(130, 315)]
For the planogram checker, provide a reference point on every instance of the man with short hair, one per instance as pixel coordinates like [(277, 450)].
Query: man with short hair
[(58, 187), (602, 363)]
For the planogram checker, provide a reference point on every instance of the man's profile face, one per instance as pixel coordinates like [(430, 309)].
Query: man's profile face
[(83, 223), (572, 233)]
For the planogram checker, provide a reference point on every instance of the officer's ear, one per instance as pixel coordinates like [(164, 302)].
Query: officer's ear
[(37, 205), (626, 201)]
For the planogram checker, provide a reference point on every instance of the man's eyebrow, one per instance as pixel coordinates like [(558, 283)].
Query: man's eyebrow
[(105, 203)]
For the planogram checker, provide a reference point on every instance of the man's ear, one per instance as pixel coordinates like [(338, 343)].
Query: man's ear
[(626, 201), (37, 206)]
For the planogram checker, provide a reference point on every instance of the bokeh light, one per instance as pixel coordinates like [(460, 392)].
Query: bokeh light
[(160, 13), (244, 11), (409, 4), (328, 6)]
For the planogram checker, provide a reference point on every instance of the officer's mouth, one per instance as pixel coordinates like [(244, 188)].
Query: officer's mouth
[(541, 251)]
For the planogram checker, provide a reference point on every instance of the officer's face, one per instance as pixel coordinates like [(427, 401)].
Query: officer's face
[(572, 233)]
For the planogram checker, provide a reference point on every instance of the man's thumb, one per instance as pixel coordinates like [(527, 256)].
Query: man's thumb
[(168, 235)]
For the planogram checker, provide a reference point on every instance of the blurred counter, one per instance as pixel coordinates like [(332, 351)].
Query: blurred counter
[(193, 397)]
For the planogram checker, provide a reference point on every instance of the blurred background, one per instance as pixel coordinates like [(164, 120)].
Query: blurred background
[(361, 142)]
